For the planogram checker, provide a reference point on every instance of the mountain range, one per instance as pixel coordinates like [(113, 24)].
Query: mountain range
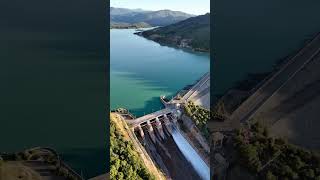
[(153, 18)]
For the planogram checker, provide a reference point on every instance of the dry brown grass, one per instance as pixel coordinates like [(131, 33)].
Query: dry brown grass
[(17, 171)]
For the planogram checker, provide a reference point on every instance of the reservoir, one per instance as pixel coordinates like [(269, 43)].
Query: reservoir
[(141, 70), (250, 36), (54, 94)]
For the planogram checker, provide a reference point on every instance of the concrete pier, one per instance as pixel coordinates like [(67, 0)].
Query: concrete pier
[(159, 128), (151, 132)]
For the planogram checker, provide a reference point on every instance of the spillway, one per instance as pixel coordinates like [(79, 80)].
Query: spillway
[(191, 155)]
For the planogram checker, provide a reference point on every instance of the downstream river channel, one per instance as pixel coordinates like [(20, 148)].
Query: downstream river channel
[(141, 70)]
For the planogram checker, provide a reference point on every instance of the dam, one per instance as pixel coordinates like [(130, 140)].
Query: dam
[(161, 136)]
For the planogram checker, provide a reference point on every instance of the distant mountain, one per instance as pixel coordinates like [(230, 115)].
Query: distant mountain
[(153, 18), (192, 33), (121, 11)]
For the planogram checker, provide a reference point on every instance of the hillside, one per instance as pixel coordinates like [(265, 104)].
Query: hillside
[(121, 11), (268, 158), (292, 112), (127, 159), (114, 25), (192, 33), (154, 18)]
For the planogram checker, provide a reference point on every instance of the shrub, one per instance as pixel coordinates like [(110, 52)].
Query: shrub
[(270, 176), (286, 160)]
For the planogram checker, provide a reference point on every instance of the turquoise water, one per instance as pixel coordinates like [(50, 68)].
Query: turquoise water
[(142, 70)]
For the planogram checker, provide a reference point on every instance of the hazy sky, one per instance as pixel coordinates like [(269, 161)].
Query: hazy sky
[(196, 7)]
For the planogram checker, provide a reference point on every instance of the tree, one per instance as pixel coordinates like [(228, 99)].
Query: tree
[(292, 162), (113, 172), (297, 163), (124, 160), (309, 173), (250, 156), (270, 176)]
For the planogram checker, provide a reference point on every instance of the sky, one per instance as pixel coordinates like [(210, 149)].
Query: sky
[(196, 7)]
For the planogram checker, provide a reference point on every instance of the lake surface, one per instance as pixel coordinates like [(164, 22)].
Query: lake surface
[(250, 36), (141, 70), (54, 84)]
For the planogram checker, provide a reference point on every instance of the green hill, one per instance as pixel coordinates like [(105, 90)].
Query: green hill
[(192, 33), (125, 161)]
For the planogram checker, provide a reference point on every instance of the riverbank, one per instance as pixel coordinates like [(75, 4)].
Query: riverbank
[(175, 42)]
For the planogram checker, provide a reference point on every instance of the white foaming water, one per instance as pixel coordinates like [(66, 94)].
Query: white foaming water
[(191, 155)]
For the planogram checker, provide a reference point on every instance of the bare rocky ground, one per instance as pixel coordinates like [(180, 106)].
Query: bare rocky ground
[(28, 170), (293, 111)]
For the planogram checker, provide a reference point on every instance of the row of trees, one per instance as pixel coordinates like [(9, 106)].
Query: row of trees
[(124, 160), (200, 116), (274, 158)]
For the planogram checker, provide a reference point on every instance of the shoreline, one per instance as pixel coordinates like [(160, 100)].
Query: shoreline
[(186, 48)]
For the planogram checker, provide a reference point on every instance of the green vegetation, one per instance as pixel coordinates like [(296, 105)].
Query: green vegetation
[(273, 158), (200, 116), (192, 33), (124, 160)]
